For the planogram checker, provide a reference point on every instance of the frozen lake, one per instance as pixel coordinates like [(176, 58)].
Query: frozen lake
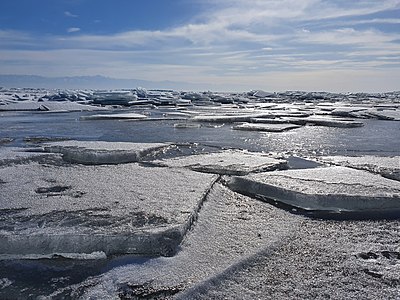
[(229, 233)]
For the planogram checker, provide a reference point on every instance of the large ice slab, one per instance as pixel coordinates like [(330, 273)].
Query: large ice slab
[(333, 189), (388, 167), (229, 162), (125, 208), (96, 152), (265, 127)]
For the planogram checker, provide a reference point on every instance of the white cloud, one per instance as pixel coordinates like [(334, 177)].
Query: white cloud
[(70, 15), (258, 43), (73, 29)]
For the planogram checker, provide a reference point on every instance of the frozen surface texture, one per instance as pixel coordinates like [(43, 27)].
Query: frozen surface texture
[(83, 209), (229, 162), (85, 152), (322, 260), (332, 188), (388, 167)]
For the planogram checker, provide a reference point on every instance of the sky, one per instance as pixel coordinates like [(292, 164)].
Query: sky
[(274, 45)]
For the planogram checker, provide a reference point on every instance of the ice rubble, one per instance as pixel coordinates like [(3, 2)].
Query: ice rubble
[(49, 106), (336, 189), (84, 209), (97, 152), (265, 127), (229, 162), (388, 167)]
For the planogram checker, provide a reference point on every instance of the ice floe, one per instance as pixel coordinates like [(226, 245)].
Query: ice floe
[(122, 116), (388, 167), (337, 189), (84, 209), (326, 121), (229, 162), (97, 152), (265, 127)]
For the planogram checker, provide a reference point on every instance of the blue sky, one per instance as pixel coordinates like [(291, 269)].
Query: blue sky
[(275, 45)]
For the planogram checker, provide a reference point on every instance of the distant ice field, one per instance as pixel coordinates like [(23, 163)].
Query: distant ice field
[(376, 137)]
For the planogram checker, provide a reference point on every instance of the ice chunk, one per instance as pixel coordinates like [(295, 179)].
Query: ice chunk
[(124, 116), (90, 152), (265, 127), (125, 208), (385, 114), (388, 167), (326, 121), (232, 162), (332, 188)]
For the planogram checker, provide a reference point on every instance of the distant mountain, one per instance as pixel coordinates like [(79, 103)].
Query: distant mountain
[(92, 82)]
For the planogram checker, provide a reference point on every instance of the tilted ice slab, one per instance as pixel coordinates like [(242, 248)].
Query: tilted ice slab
[(332, 188), (94, 153), (326, 121), (393, 115), (388, 167), (122, 116), (230, 162), (265, 127), (113, 209)]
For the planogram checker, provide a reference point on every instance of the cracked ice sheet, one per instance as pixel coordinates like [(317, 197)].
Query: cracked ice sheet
[(388, 167), (230, 227), (97, 152), (332, 188), (125, 208), (232, 162)]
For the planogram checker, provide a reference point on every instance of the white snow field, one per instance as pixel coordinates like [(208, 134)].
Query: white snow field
[(115, 209), (229, 162), (336, 189), (97, 152)]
